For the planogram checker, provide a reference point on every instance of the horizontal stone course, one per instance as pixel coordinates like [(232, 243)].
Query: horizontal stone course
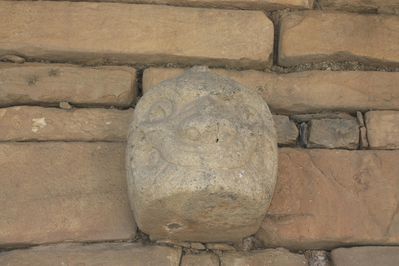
[(272, 257), (316, 36), (145, 34), (366, 256), (381, 6), (95, 254), (27, 123), (307, 92), (383, 129), (54, 192), (54, 83), (331, 198), (242, 4)]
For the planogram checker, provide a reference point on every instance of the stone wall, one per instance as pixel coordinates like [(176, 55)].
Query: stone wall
[(72, 72)]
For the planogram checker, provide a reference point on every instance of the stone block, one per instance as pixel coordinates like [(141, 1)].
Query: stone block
[(383, 129), (205, 259), (366, 256)]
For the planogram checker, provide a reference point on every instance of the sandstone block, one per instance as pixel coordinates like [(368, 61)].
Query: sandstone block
[(142, 34), (310, 91), (95, 254), (29, 123), (334, 134), (316, 36), (272, 257), (381, 6), (241, 4), (205, 259), (330, 198), (52, 192), (287, 132), (202, 159), (383, 129), (366, 256), (51, 84)]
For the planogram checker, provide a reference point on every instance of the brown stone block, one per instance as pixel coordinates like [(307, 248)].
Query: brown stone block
[(383, 129), (366, 256)]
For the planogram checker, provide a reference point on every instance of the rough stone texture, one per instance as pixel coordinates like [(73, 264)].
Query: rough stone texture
[(51, 192), (330, 198), (206, 259), (43, 83), (366, 256), (334, 134), (202, 159), (381, 6), (310, 91), (383, 129), (271, 257), (241, 4), (135, 33), (29, 123), (287, 132), (316, 36), (317, 258), (92, 255)]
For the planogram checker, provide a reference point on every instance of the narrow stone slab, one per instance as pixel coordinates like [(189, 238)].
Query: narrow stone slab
[(366, 256), (334, 133), (241, 4), (307, 92), (29, 123), (51, 84), (96, 254), (205, 259), (135, 34), (272, 257), (380, 6), (52, 192), (383, 129), (330, 198), (315, 36)]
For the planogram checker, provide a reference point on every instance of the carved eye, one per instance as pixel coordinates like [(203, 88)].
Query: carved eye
[(160, 110)]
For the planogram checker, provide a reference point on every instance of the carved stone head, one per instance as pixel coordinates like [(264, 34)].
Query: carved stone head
[(201, 159)]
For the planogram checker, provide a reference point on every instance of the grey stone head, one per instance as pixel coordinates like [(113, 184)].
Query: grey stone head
[(201, 159)]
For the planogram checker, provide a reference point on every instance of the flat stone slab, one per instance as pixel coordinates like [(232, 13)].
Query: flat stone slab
[(381, 6), (366, 256), (51, 84), (144, 34), (29, 123), (334, 133), (241, 4), (287, 131), (272, 257), (95, 254), (382, 129), (317, 36), (56, 191), (204, 259), (310, 91), (331, 198)]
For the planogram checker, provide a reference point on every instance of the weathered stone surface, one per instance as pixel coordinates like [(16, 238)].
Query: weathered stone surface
[(330, 198), (383, 129), (381, 6), (95, 254), (86, 124), (202, 159), (220, 246), (241, 4), (43, 83), (206, 259), (366, 256), (317, 36), (310, 91), (287, 132), (52, 192), (334, 133), (271, 257), (135, 33)]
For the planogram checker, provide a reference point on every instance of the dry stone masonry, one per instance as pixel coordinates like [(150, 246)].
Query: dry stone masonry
[(76, 75)]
